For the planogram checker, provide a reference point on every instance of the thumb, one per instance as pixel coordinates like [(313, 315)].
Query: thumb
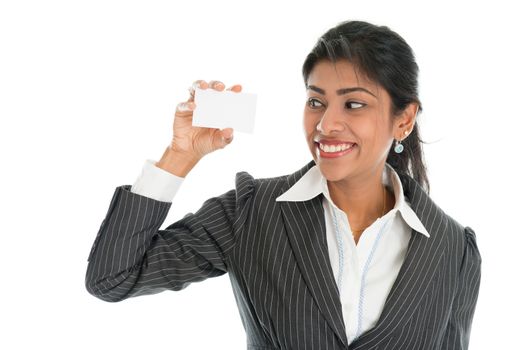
[(226, 136)]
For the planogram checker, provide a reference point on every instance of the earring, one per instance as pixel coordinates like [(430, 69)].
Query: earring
[(398, 145)]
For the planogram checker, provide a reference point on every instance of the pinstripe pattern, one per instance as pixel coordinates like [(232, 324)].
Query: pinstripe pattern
[(276, 256)]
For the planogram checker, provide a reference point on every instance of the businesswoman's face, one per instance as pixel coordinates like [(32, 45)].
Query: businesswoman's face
[(347, 122)]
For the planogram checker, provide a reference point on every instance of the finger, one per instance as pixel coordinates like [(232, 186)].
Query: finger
[(185, 109), (217, 85), (226, 137), (202, 84), (227, 133), (235, 88)]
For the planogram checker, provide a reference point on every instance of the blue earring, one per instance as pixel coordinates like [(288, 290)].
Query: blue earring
[(398, 145)]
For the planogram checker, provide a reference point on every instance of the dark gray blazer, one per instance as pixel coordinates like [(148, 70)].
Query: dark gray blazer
[(277, 259)]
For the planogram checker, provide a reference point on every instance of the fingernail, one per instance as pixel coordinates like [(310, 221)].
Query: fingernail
[(184, 107)]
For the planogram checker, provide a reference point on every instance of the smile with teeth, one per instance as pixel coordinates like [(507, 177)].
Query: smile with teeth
[(337, 148)]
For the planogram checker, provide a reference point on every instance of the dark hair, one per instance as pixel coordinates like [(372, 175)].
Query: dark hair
[(384, 57)]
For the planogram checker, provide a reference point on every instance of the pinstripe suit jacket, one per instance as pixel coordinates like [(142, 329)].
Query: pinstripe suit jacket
[(277, 259)]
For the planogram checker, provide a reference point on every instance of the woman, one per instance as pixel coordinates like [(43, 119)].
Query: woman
[(348, 252)]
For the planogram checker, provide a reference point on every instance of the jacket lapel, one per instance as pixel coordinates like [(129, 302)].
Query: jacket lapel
[(418, 269), (305, 227)]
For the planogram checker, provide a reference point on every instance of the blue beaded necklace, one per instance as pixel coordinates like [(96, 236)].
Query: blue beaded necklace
[(340, 247)]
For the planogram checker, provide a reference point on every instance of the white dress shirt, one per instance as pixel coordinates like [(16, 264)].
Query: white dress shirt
[(365, 272)]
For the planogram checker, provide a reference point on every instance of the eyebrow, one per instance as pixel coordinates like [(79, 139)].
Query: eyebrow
[(340, 91)]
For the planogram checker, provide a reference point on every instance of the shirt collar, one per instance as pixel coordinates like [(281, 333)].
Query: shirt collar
[(314, 183)]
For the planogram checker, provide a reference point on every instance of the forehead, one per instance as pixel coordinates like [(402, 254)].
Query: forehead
[(340, 74)]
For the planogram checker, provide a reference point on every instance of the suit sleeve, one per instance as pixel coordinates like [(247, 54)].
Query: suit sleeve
[(465, 300), (131, 256)]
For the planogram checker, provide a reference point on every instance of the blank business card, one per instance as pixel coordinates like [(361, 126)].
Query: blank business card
[(225, 109)]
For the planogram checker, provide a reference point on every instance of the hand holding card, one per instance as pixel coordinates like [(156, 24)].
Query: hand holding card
[(190, 143)]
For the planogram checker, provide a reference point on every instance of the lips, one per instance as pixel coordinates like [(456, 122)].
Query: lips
[(333, 142), (334, 148), (332, 145)]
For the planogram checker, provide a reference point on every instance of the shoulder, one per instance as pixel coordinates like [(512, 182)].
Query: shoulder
[(461, 239), (445, 231), (269, 188), (463, 258)]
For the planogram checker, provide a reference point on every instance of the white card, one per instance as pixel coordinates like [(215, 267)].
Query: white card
[(225, 109)]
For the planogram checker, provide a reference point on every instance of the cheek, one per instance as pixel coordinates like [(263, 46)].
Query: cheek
[(309, 123), (374, 138)]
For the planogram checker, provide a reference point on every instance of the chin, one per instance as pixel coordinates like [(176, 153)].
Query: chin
[(332, 173)]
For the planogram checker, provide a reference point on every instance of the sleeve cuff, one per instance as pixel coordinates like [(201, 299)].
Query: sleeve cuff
[(156, 183)]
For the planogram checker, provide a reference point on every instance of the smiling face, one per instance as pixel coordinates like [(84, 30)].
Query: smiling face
[(347, 122)]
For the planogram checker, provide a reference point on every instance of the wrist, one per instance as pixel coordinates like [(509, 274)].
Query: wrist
[(176, 162)]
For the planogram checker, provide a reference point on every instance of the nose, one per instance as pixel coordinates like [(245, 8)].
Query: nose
[(330, 122)]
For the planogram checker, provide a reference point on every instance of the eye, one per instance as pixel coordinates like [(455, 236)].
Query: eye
[(354, 105), (350, 104), (311, 101)]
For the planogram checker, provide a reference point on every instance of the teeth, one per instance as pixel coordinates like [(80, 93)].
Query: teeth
[(333, 148)]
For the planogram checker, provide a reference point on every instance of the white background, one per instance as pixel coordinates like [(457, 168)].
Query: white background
[(87, 94)]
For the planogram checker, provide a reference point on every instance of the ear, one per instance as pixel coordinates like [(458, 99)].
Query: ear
[(405, 121)]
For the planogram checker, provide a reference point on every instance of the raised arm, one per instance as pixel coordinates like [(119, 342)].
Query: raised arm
[(131, 256)]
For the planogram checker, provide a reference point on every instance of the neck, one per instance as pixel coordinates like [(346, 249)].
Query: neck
[(362, 199)]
